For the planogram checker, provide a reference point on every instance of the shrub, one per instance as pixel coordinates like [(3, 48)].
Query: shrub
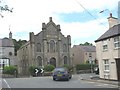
[(49, 68), (83, 66), (68, 66), (32, 70), (10, 70)]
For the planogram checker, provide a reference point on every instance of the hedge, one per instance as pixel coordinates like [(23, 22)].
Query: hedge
[(84, 66), (49, 68), (10, 70)]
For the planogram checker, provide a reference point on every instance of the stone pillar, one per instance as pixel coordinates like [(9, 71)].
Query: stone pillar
[(59, 45), (44, 43), (69, 47), (32, 47)]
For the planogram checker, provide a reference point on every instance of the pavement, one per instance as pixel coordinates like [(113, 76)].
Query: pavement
[(95, 78)]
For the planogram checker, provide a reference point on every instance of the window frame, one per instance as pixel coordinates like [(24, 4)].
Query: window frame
[(52, 46), (105, 45), (38, 49), (106, 65), (116, 40)]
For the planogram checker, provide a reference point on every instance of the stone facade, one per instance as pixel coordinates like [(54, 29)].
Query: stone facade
[(49, 46), (83, 54), (7, 51)]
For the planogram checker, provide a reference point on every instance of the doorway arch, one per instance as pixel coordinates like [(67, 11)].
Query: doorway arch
[(39, 61), (65, 60), (53, 61)]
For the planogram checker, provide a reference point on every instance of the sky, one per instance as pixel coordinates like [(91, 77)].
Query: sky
[(79, 18)]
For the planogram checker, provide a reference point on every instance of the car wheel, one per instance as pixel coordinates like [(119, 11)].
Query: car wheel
[(67, 79), (70, 76), (54, 79)]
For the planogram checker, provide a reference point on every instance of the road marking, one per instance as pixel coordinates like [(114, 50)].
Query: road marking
[(91, 76), (107, 85), (98, 85), (6, 83), (80, 78), (91, 82)]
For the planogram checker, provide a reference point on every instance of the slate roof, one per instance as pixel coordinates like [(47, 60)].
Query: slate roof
[(112, 32), (86, 48), (6, 42)]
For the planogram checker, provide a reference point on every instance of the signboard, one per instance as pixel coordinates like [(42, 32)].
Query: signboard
[(36, 70), (4, 62), (42, 70)]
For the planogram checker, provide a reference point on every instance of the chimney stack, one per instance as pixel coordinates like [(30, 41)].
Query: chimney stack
[(112, 21), (50, 19)]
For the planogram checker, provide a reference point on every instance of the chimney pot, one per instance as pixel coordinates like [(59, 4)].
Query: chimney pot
[(110, 14), (50, 19)]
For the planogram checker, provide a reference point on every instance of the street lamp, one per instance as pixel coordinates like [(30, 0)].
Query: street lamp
[(104, 11), (3, 65)]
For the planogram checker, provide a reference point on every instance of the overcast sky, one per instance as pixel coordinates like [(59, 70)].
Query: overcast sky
[(79, 18)]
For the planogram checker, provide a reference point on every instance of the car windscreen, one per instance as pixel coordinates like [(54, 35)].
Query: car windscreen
[(60, 69)]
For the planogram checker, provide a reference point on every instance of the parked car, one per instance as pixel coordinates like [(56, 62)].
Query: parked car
[(61, 73)]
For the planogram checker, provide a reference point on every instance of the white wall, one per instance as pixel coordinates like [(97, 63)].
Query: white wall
[(111, 54)]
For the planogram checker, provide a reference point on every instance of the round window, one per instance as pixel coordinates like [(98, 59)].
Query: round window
[(10, 53)]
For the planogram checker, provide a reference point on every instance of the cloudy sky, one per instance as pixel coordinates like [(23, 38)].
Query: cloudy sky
[(79, 18)]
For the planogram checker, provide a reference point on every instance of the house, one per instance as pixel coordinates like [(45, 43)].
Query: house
[(49, 46), (83, 54), (7, 54), (108, 51)]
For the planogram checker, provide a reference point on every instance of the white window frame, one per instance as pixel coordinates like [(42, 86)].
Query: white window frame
[(105, 45), (116, 42), (106, 65), (106, 68)]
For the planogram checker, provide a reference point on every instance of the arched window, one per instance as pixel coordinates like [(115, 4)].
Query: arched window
[(38, 47), (56, 46), (64, 48), (65, 60), (39, 61), (52, 46), (47, 46)]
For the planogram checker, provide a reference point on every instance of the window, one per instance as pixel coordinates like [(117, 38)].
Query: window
[(47, 46), (39, 61), (105, 46), (90, 54), (38, 47), (52, 46), (65, 60), (106, 69), (117, 42), (57, 47), (106, 65), (10, 53), (64, 48)]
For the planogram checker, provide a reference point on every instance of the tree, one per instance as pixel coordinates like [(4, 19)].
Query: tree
[(4, 8), (87, 44), (18, 44)]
